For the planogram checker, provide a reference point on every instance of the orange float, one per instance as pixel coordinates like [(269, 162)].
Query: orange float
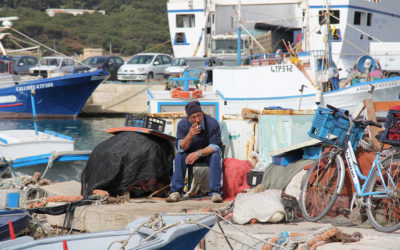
[(191, 93)]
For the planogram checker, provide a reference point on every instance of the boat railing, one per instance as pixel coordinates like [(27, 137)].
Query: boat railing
[(278, 58)]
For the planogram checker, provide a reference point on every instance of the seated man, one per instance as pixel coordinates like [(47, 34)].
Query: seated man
[(198, 138)]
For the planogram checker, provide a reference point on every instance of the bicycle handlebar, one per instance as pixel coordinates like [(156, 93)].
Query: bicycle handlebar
[(346, 115)]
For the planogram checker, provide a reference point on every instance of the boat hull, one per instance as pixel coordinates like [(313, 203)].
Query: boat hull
[(217, 104), (61, 97), (19, 218), (348, 98), (181, 236)]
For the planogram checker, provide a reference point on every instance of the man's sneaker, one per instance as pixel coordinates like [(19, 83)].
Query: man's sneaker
[(174, 197), (216, 198)]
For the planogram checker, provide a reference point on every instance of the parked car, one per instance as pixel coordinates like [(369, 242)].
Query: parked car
[(176, 68), (180, 64), (53, 64), (144, 66), (23, 63), (109, 63)]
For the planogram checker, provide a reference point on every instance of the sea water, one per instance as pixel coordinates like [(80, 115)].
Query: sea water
[(87, 133)]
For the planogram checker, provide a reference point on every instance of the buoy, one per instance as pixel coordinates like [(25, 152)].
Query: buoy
[(11, 228), (65, 246), (191, 93)]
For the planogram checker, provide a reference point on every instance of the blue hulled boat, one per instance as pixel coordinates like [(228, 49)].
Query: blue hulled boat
[(62, 96), (161, 231), (19, 219)]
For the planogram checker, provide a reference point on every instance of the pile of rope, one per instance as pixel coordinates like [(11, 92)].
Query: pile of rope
[(311, 241)]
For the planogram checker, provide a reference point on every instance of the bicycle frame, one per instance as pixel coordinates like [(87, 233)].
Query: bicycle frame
[(356, 174)]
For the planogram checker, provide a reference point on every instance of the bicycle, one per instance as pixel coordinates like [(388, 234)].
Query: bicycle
[(380, 193)]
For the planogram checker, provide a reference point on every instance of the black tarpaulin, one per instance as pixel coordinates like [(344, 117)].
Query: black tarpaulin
[(125, 159)]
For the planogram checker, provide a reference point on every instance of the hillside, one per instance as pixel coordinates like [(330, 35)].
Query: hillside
[(129, 26)]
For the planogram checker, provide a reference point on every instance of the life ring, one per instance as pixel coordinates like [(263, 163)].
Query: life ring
[(191, 93)]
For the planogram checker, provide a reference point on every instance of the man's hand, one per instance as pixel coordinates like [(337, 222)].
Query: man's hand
[(194, 130), (192, 158)]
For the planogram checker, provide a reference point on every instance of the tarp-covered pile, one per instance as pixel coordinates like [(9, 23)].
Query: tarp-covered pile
[(124, 160)]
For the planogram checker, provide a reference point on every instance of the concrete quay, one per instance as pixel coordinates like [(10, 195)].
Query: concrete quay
[(113, 216), (111, 98)]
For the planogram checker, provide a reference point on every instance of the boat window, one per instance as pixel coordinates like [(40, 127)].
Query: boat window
[(2, 67), (336, 35), (369, 19), (357, 18), (224, 46), (209, 109), (334, 17), (185, 21), (321, 64), (180, 38)]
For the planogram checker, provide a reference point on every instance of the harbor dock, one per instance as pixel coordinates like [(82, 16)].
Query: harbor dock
[(117, 98), (98, 217)]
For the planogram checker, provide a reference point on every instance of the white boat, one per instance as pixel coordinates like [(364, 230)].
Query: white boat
[(24, 151), (16, 144), (160, 232), (356, 23), (305, 78)]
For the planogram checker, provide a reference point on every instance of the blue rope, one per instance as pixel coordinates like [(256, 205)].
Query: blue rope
[(283, 237)]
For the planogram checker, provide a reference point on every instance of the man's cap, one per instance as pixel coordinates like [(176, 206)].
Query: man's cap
[(193, 107)]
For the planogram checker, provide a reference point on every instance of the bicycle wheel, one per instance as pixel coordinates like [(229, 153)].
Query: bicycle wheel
[(323, 183), (384, 210)]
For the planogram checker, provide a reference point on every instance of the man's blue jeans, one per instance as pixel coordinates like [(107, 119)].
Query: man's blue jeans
[(214, 163)]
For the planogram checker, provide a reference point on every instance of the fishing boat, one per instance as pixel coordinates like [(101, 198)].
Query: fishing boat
[(25, 150), (61, 96), (161, 231), (311, 69), (19, 220), (57, 97)]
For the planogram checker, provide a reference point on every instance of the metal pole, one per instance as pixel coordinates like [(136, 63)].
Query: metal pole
[(185, 76), (239, 40), (34, 112)]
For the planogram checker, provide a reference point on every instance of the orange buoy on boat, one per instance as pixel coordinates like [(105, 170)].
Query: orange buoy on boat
[(191, 93)]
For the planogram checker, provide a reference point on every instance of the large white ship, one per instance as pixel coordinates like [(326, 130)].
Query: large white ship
[(356, 23)]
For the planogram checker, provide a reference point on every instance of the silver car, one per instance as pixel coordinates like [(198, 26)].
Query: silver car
[(144, 66)]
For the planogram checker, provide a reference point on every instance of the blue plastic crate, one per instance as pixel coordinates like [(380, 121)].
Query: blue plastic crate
[(131, 121), (286, 159), (312, 153), (325, 124), (392, 128), (12, 200), (145, 122)]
